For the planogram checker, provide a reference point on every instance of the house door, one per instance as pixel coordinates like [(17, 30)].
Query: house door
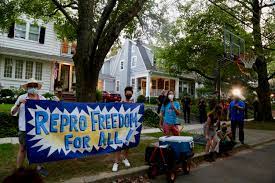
[(143, 87), (64, 78)]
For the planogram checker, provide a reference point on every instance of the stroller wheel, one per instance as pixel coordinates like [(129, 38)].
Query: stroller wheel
[(186, 166), (152, 172), (171, 176)]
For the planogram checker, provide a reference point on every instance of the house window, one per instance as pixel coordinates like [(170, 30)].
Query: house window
[(117, 86), (133, 81), (8, 68), (34, 33), (166, 85), (20, 30), (154, 84), (133, 49), (134, 61), (121, 65), (29, 68), (19, 69), (38, 71)]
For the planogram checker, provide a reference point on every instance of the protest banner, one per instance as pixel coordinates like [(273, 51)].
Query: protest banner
[(64, 130)]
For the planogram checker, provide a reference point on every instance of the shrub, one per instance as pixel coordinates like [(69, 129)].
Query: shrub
[(8, 125), (98, 95), (18, 92), (49, 96), (6, 93), (141, 99), (153, 100), (151, 118)]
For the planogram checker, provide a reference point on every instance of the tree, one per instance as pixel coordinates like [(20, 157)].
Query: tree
[(201, 45), (94, 24)]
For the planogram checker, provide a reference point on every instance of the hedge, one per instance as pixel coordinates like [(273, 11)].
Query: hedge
[(151, 118), (8, 125)]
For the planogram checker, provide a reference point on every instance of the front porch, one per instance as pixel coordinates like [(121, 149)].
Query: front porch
[(153, 85)]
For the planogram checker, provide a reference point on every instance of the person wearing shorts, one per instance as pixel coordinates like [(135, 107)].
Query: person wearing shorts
[(168, 115), (32, 87)]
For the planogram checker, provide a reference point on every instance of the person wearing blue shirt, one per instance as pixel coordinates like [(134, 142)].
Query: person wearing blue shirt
[(169, 112), (236, 109)]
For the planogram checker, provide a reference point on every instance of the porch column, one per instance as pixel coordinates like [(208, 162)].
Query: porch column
[(148, 83), (136, 88), (177, 88), (70, 78), (104, 85), (196, 87)]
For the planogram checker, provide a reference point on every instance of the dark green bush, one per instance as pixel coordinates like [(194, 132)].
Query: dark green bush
[(153, 100), (98, 95), (6, 93), (8, 125), (151, 118), (141, 99)]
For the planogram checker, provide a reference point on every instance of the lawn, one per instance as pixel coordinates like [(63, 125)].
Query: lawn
[(259, 125), (63, 170), (5, 107)]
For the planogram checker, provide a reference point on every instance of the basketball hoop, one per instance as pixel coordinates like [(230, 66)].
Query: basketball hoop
[(248, 60)]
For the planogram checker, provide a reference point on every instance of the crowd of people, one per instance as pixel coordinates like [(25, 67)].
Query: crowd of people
[(219, 137)]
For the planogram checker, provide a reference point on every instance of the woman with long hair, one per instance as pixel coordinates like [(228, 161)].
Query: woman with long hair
[(210, 129), (168, 115)]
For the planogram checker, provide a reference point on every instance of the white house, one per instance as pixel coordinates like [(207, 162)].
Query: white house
[(31, 49)]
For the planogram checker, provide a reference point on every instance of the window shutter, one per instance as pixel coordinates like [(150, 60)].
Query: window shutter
[(42, 35), (11, 30)]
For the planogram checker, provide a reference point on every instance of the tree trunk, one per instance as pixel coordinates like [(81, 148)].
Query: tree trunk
[(260, 66)]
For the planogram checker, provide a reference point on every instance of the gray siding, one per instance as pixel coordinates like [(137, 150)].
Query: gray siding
[(140, 66)]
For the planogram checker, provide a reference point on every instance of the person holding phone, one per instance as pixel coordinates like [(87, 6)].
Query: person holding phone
[(237, 107), (168, 115)]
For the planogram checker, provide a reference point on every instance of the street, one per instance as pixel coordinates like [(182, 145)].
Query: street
[(252, 166)]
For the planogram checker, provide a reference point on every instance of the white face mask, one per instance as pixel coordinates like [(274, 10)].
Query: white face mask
[(32, 90), (171, 97)]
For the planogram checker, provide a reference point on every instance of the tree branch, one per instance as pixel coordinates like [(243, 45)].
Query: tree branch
[(101, 23), (111, 33), (271, 76), (267, 5), (65, 13), (245, 5)]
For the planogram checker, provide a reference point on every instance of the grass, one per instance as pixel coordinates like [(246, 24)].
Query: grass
[(5, 107), (259, 125), (62, 170)]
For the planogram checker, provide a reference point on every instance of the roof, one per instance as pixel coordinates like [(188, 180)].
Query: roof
[(182, 76), (34, 55), (145, 57)]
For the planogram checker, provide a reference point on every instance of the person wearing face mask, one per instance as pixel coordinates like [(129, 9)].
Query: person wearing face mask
[(32, 87), (168, 115), (128, 91), (226, 143)]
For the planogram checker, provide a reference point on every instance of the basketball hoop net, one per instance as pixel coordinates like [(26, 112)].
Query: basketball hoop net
[(245, 61)]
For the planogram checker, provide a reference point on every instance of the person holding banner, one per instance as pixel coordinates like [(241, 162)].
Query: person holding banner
[(128, 91), (168, 115), (32, 87)]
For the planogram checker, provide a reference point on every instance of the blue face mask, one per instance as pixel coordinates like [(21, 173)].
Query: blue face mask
[(32, 90)]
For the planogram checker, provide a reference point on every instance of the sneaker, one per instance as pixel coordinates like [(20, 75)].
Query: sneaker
[(42, 171), (126, 162), (115, 167)]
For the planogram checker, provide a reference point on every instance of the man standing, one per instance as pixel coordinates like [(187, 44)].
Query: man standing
[(186, 104), (237, 108), (160, 100)]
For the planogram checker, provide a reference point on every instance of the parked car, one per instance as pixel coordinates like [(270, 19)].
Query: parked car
[(110, 97)]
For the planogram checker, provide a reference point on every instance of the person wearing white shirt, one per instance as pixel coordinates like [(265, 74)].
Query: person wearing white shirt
[(32, 87)]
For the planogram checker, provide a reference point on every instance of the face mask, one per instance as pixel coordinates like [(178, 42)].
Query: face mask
[(171, 97), (32, 90), (128, 97)]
